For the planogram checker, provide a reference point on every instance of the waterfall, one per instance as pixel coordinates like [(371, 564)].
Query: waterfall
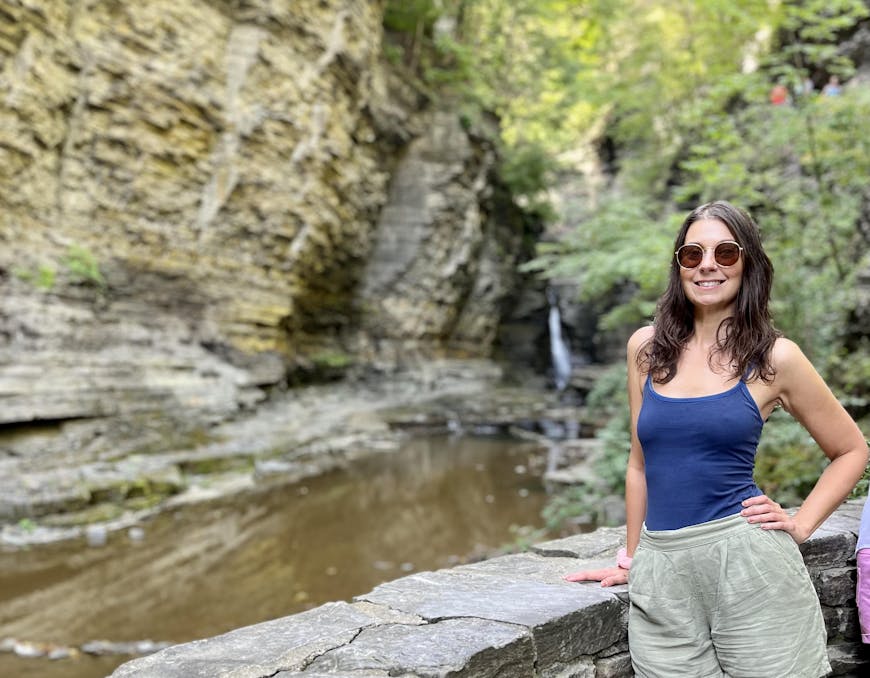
[(559, 352)]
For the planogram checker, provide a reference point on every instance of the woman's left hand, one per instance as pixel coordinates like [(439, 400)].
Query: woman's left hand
[(771, 516)]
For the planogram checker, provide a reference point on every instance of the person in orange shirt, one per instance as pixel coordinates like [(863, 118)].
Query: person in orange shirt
[(779, 95)]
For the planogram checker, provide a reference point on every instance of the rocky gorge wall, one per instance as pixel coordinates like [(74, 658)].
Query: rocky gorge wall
[(201, 201), (510, 616)]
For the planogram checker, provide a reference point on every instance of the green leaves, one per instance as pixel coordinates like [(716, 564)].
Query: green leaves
[(680, 91), (409, 16), (78, 266), (84, 267), (802, 171), (697, 126)]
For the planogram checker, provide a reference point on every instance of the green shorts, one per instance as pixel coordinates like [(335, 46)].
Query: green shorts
[(724, 598)]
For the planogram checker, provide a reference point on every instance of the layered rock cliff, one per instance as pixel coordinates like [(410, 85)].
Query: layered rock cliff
[(202, 200)]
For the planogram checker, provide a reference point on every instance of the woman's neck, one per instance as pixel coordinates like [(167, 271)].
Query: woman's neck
[(708, 328)]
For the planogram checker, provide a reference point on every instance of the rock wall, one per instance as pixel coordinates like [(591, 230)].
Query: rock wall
[(430, 232), (509, 616), (198, 199)]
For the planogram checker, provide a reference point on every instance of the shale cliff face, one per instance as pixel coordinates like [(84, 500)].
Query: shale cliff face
[(198, 199)]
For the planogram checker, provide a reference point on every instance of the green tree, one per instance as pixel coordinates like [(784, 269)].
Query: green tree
[(679, 90)]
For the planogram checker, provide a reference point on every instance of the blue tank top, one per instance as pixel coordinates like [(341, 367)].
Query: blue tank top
[(699, 455)]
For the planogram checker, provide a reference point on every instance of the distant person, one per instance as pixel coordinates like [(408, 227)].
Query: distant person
[(862, 557), (832, 88), (807, 87), (717, 584), (779, 95)]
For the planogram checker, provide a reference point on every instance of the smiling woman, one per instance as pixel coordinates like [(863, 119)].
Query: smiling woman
[(714, 563), (710, 266)]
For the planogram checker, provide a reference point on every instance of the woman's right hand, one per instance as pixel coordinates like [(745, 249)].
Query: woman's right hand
[(608, 576)]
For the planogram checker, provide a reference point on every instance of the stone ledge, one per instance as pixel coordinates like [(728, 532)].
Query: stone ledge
[(512, 616)]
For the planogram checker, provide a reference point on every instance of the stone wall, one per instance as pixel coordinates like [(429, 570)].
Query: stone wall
[(512, 616)]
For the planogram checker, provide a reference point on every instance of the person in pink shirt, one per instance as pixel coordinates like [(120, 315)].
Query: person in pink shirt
[(862, 595)]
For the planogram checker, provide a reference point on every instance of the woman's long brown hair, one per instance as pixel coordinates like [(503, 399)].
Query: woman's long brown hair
[(746, 338)]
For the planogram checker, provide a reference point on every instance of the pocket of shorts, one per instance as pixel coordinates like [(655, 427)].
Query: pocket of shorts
[(787, 547), (635, 574), (651, 575)]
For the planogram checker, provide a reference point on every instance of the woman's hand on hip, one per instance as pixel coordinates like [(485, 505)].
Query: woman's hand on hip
[(771, 516), (608, 576)]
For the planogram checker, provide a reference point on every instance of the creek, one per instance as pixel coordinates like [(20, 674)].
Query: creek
[(203, 569)]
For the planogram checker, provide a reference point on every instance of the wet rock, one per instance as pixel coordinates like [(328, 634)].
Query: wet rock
[(136, 534), (578, 474), (96, 535), (137, 647)]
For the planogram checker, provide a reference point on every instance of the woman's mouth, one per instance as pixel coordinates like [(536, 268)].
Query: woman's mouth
[(709, 283)]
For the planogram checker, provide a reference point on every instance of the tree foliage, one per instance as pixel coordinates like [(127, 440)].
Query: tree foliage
[(679, 91), (686, 105)]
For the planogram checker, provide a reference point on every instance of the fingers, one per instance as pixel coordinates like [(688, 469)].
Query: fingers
[(588, 575), (772, 521), (760, 500), (616, 579), (769, 515), (608, 576), (762, 509)]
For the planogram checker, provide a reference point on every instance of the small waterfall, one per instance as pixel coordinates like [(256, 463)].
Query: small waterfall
[(559, 353)]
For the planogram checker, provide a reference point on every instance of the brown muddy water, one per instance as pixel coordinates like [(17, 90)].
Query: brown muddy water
[(204, 569)]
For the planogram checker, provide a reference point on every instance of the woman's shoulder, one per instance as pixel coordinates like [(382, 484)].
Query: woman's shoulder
[(637, 365), (640, 337), (786, 353), (789, 362), (638, 341)]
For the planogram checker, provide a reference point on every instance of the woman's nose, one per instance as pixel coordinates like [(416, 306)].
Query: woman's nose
[(709, 259)]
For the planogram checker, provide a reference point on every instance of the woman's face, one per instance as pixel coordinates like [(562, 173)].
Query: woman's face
[(711, 285)]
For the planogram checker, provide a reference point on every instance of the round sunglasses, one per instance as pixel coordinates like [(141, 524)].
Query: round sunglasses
[(726, 253)]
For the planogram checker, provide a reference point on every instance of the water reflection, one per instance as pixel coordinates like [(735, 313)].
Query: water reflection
[(203, 570)]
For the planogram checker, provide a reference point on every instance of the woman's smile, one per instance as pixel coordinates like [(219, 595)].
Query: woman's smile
[(710, 285)]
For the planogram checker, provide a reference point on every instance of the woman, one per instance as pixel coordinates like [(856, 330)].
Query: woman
[(718, 586)]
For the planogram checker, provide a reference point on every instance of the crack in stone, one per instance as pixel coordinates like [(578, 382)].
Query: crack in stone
[(314, 657)]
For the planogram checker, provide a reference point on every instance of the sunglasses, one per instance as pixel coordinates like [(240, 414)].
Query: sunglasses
[(726, 253)]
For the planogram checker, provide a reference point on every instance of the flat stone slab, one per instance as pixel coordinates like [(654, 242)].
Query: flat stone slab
[(285, 644), (595, 615), (545, 569), (846, 519), (528, 566), (603, 542), (455, 647)]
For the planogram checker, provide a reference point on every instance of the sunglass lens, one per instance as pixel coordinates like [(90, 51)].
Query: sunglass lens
[(689, 256), (726, 253)]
